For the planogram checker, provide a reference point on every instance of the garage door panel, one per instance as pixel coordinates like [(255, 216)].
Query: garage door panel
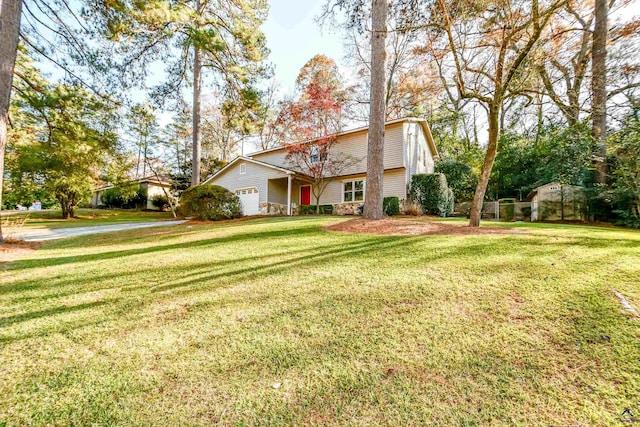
[(249, 200)]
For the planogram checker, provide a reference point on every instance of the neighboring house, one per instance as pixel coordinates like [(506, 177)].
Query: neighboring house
[(557, 202), (152, 185), (267, 185)]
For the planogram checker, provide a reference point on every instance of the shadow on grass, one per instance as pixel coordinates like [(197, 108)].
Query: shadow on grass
[(211, 275), (241, 238), (6, 321), (205, 277), (130, 307), (312, 258), (192, 271)]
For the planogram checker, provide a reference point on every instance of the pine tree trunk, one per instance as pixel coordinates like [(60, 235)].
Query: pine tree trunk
[(197, 132), (599, 89), (138, 164), (144, 164), (377, 113), (489, 158), (10, 12)]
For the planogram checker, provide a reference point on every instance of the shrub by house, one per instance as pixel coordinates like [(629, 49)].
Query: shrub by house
[(432, 193), (210, 202)]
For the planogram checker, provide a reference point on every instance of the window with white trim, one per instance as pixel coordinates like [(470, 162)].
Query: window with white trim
[(317, 153), (244, 191), (353, 191), (243, 169)]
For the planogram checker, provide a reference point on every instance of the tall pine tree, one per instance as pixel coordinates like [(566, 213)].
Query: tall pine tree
[(191, 38)]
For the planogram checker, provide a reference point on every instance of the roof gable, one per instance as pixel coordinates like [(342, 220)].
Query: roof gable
[(232, 164), (145, 180)]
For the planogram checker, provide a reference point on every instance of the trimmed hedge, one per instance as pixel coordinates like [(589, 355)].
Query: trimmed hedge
[(311, 209), (391, 206), (326, 209), (432, 193), (306, 209), (210, 202)]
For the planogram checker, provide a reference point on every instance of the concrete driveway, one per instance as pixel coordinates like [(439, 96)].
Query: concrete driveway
[(60, 233)]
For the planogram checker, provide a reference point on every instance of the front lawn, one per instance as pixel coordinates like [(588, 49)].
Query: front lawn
[(279, 322), (52, 218)]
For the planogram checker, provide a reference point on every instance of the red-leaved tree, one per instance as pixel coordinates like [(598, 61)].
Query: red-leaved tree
[(317, 110), (311, 122)]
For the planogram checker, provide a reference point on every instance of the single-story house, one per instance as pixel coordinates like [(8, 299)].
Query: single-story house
[(152, 185), (268, 185), (557, 202)]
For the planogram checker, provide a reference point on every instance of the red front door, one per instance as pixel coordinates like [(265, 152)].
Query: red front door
[(305, 195)]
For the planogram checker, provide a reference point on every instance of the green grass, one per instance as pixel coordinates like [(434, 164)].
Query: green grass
[(52, 219), (195, 326)]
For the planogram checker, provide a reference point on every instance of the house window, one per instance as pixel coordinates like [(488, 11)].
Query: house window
[(353, 191), (243, 169), (317, 154), (244, 191)]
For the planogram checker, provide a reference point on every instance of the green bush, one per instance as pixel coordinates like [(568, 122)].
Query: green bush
[(159, 201), (111, 198), (627, 219), (326, 209), (460, 178), (526, 212), (307, 210), (210, 202), (124, 197), (391, 206), (432, 193)]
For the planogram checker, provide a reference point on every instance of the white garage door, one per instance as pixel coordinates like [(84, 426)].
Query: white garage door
[(249, 200)]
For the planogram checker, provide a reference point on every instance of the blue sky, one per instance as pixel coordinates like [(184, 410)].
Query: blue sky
[(294, 37)]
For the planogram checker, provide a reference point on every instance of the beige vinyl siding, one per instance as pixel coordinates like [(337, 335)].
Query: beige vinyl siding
[(332, 194), (429, 161), (278, 191), (418, 156), (153, 191), (276, 158), (256, 176), (394, 184), (295, 193), (354, 145), (393, 146)]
